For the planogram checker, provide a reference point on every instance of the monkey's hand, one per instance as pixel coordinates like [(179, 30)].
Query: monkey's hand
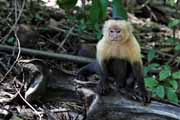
[(103, 88)]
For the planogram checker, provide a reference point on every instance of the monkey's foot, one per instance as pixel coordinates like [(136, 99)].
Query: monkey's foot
[(143, 95), (103, 88), (81, 77)]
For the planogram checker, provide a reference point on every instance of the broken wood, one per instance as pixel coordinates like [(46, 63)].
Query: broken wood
[(115, 107)]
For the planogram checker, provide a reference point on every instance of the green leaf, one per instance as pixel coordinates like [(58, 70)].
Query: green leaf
[(172, 40), (151, 82), (99, 35), (174, 23), (172, 96), (38, 18), (164, 74), (173, 84), (172, 3), (94, 13), (177, 48), (118, 9), (66, 4), (166, 67), (146, 70), (160, 92), (151, 54), (150, 67), (82, 26), (153, 66), (176, 75), (11, 41), (45, 29), (103, 4), (98, 11)]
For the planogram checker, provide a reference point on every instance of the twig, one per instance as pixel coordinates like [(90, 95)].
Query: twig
[(159, 52), (18, 44), (152, 13), (16, 21), (174, 57), (65, 39), (163, 54), (143, 5), (4, 100), (36, 112), (87, 38)]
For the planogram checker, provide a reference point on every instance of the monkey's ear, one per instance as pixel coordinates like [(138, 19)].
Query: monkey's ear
[(130, 27)]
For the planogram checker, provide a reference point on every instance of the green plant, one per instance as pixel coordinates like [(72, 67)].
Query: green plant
[(66, 4), (173, 40), (151, 55), (172, 3), (11, 41), (165, 84), (96, 12), (174, 25)]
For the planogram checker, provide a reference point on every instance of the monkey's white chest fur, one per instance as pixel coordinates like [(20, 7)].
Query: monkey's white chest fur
[(106, 50)]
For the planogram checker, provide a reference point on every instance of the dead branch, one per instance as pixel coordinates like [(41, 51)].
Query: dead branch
[(47, 55)]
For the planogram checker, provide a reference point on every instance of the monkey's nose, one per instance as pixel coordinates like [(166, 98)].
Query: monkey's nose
[(114, 36)]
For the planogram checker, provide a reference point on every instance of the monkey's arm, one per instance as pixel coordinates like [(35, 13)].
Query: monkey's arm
[(103, 85), (90, 69), (137, 68), (95, 68)]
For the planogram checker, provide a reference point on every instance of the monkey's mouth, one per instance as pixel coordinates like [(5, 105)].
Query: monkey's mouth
[(117, 38)]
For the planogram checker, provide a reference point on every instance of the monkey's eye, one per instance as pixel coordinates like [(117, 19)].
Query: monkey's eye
[(111, 31), (118, 31)]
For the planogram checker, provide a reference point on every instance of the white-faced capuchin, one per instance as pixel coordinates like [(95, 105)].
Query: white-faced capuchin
[(119, 56)]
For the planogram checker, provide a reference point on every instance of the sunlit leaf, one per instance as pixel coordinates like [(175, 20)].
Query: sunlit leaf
[(176, 75), (151, 82), (164, 74)]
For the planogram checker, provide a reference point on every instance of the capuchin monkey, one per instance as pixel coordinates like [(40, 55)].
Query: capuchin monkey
[(118, 56)]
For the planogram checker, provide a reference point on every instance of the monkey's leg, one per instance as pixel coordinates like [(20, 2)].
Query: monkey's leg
[(90, 69), (118, 69), (138, 75), (130, 81)]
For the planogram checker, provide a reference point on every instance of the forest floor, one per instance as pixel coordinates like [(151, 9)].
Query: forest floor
[(32, 68)]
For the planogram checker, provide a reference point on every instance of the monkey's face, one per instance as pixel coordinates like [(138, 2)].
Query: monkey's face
[(115, 33), (117, 30)]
